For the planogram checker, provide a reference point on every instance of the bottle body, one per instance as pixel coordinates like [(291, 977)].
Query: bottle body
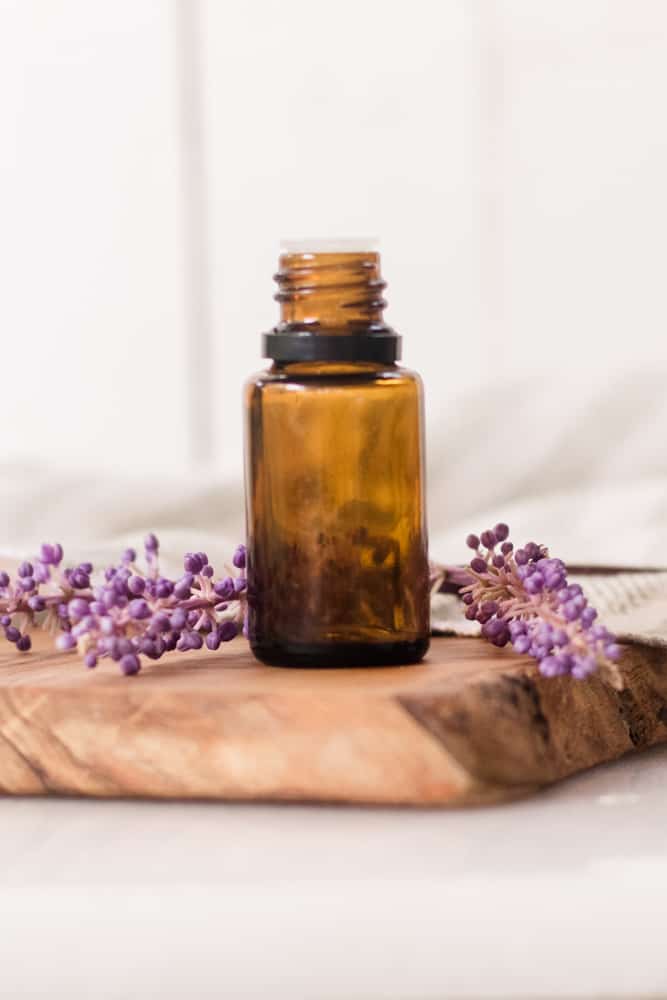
[(337, 548)]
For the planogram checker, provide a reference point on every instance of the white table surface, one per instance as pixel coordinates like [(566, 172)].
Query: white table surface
[(561, 895)]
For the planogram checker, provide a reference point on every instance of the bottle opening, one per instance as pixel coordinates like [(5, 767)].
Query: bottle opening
[(331, 304)]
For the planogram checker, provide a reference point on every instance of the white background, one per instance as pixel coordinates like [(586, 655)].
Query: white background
[(510, 155)]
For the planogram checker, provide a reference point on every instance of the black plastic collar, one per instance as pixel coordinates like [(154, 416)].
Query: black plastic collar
[(382, 345)]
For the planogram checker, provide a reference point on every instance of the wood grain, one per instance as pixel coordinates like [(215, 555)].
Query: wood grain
[(471, 724)]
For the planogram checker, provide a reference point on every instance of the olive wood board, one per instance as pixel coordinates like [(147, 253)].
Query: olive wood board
[(469, 725)]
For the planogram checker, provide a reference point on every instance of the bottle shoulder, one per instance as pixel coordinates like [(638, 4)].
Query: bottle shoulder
[(317, 374)]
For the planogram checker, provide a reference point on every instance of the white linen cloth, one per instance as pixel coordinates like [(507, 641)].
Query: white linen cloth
[(578, 464)]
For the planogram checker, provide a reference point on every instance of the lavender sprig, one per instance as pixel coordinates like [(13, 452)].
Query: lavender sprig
[(524, 597), (132, 612)]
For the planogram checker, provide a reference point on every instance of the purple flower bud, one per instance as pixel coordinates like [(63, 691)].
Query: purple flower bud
[(41, 573), (612, 651), (12, 634), (501, 531), (77, 608), (560, 637), (550, 667), (139, 609), (203, 558), (178, 619), (87, 567), (195, 641), (129, 664), (27, 583), (161, 622), (57, 554), (493, 627), (65, 641), (80, 579), (192, 563), (570, 611), (521, 557), (90, 659), (506, 548), (498, 561), (478, 565), (532, 550), (224, 588), (36, 603), (147, 647), (588, 616), (534, 583), (467, 598), (183, 586), (471, 612), (136, 585), (151, 544), (213, 640), (472, 541), (240, 584), (47, 554), (5, 620), (521, 644), (24, 644), (170, 641), (164, 588), (239, 557), (489, 607), (207, 571), (25, 569), (4, 579), (488, 539), (124, 646), (228, 630)]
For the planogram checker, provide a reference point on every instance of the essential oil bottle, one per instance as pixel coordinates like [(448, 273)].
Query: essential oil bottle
[(337, 550)]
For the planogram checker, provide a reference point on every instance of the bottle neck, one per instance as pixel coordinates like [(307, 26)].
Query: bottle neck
[(333, 292), (331, 309)]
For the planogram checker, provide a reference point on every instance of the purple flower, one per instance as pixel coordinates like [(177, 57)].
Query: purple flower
[(129, 664), (523, 597), (129, 612), (139, 609), (151, 544)]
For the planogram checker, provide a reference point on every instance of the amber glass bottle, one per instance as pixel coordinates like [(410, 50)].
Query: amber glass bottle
[(337, 556)]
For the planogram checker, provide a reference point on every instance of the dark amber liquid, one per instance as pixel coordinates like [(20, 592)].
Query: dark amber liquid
[(338, 568)]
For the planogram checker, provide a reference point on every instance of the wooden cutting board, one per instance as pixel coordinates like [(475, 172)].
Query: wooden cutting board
[(471, 724)]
